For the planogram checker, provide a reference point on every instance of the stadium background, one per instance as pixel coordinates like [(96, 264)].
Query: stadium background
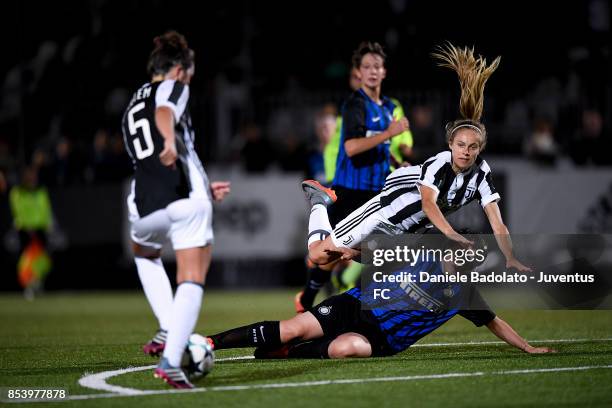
[(265, 68)]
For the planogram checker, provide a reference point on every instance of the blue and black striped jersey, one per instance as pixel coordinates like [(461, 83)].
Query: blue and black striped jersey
[(362, 117), (417, 309)]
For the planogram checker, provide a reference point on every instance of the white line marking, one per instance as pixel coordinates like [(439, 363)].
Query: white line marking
[(340, 381), (98, 381)]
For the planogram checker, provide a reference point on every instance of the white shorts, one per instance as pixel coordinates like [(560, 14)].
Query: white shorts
[(358, 225), (186, 222)]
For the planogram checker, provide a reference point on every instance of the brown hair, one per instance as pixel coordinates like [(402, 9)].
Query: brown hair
[(169, 50), (473, 73), (367, 47)]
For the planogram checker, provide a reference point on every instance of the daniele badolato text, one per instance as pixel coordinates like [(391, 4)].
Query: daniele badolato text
[(479, 277)]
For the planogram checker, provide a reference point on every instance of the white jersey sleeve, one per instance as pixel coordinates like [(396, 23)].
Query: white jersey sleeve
[(486, 190), (174, 95), (431, 171)]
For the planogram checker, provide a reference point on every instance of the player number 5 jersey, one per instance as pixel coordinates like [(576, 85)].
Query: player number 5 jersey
[(155, 185)]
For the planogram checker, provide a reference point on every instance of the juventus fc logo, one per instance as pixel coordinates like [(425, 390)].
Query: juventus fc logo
[(348, 240), (470, 192)]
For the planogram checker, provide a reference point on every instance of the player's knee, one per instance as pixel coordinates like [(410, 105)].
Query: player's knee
[(347, 348), (361, 349), (190, 275), (340, 349)]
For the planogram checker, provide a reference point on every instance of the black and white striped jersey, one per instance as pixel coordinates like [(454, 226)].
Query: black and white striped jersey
[(155, 185), (400, 199)]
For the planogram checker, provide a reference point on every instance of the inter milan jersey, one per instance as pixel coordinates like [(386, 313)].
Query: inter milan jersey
[(417, 309), (155, 185), (362, 117)]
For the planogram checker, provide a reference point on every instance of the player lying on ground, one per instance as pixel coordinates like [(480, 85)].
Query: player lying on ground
[(340, 327), (416, 196)]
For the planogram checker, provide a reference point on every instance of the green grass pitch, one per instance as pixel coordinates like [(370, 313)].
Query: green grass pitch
[(55, 340)]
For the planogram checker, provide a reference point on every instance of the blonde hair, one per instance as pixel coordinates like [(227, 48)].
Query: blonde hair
[(473, 73)]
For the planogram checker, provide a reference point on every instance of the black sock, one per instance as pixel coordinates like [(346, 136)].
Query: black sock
[(263, 334), (311, 349), (317, 277)]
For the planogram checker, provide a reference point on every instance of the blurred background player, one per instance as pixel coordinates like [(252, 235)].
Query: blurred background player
[(171, 198), (400, 148), (401, 145), (325, 122), (33, 219), (363, 158)]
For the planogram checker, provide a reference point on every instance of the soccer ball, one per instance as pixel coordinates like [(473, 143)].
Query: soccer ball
[(199, 357)]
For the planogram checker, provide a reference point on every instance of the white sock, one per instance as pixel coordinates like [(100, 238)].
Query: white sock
[(318, 224), (185, 312), (156, 287)]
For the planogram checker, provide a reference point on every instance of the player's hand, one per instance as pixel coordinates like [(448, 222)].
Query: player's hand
[(398, 126), (345, 254), (169, 155), (539, 350), (514, 263), (220, 189)]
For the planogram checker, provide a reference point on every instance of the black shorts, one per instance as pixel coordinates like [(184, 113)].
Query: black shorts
[(348, 201), (342, 313)]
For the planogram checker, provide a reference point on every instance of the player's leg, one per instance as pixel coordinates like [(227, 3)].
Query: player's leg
[(158, 291), (269, 335), (192, 265), (350, 345), (339, 318), (148, 235), (319, 227), (318, 276), (191, 235), (347, 235), (345, 345), (315, 280)]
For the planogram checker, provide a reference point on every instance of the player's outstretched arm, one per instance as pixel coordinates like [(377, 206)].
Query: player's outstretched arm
[(433, 213), (505, 332), (502, 236)]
